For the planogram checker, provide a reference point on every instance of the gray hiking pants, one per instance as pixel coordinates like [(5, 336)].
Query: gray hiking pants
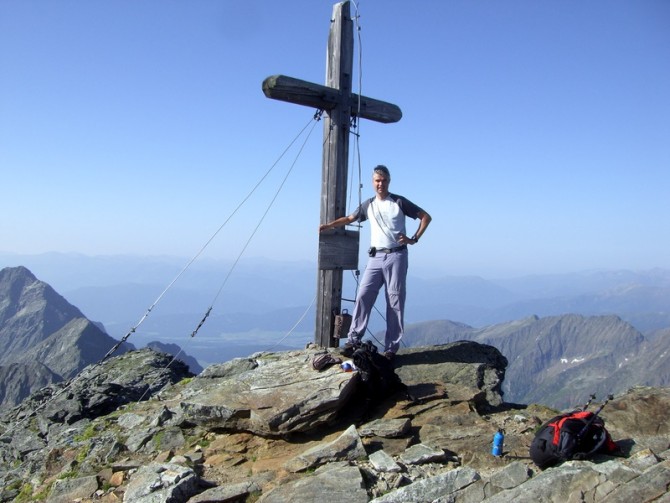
[(389, 270)]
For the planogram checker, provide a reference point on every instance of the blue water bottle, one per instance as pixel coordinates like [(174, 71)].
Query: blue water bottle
[(498, 440)]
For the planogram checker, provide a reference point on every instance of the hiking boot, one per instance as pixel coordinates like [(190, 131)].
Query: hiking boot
[(389, 355), (348, 349)]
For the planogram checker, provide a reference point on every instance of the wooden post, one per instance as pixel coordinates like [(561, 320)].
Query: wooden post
[(334, 167), (338, 249)]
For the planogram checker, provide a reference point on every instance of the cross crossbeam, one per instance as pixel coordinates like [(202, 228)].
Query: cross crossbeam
[(301, 92)]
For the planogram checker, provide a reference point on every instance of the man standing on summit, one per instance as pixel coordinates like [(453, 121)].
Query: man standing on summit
[(387, 265)]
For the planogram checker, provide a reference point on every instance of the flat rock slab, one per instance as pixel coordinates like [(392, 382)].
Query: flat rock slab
[(268, 394)]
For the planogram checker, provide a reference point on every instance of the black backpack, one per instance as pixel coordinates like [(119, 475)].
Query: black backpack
[(376, 372), (574, 435)]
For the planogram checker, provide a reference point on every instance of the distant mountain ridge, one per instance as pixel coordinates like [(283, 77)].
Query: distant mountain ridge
[(43, 338), (116, 289), (642, 298), (561, 360), (554, 359)]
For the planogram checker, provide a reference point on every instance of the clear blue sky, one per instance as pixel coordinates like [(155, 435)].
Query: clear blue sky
[(536, 133)]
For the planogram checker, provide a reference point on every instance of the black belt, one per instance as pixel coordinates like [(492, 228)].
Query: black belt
[(392, 250)]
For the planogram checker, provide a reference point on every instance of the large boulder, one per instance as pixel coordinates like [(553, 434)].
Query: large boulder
[(460, 371), (268, 394)]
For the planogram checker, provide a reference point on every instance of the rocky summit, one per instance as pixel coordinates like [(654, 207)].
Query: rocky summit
[(270, 428)]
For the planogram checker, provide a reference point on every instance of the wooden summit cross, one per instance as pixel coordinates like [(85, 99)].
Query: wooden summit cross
[(338, 249)]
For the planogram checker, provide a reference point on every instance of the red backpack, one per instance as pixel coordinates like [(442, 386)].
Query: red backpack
[(575, 435)]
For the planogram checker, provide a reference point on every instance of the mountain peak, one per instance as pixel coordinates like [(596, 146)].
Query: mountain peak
[(37, 325)]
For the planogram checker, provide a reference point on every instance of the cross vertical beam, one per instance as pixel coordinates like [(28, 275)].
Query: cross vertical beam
[(334, 167), (338, 249)]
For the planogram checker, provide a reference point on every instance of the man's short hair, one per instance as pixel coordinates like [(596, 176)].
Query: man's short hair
[(382, 170)]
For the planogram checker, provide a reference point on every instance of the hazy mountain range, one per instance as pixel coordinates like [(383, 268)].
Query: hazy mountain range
[(266, 305), (265, 296)]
